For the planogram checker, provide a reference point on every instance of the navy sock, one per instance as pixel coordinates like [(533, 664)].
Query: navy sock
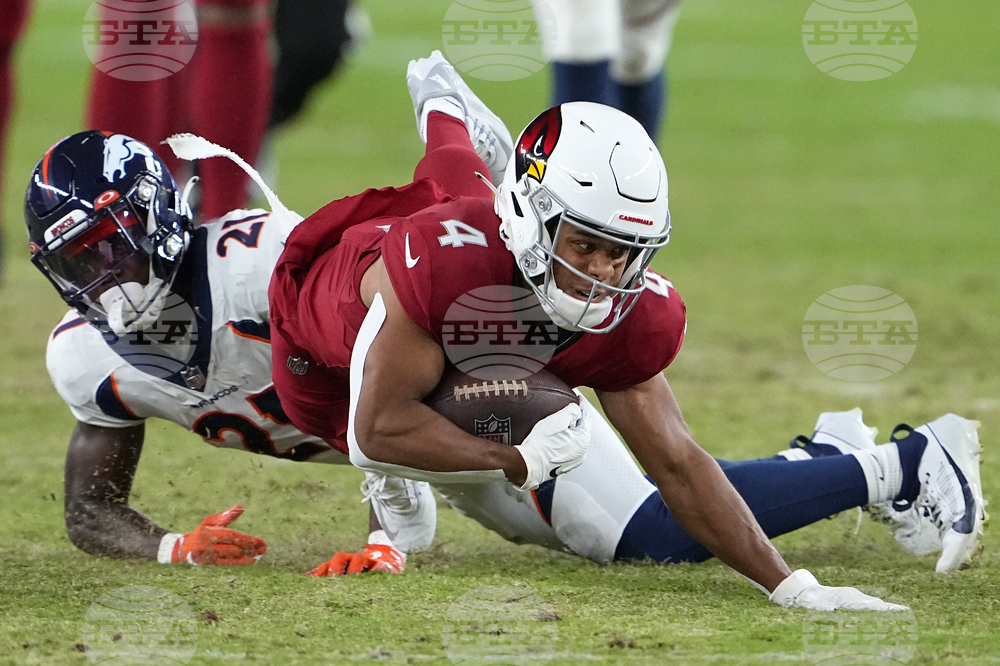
[(783, 496), (911, 448), (645, 102), (588, 82)]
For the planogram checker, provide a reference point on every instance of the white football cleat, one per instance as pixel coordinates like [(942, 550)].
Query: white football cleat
[(835, 433), (846, 432), (406, 510), (434, 78), (951, 495)]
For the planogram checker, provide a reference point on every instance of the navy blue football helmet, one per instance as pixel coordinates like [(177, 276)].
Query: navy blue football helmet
[(107, 226)]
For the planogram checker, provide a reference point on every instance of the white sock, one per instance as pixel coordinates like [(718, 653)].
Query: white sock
[(447, 105), (883, 472)]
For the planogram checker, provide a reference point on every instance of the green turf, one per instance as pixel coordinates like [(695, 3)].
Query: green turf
[(785, 184)]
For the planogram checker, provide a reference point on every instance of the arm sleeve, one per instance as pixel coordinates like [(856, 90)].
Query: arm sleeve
[(436, 255)]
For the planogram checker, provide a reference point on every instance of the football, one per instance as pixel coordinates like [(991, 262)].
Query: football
[(502, 411)]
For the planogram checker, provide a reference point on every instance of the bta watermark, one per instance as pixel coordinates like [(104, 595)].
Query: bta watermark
[(859, 333), (140, 40), (497, 40), (847, 638), (500, 624), (859, 40), (140, 624), (161, 349), (498, 332)]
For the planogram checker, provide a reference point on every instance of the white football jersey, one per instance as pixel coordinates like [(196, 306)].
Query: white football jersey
[(207, 363)]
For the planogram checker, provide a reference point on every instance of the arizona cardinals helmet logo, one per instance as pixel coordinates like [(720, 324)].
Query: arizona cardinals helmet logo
[(537, 143)]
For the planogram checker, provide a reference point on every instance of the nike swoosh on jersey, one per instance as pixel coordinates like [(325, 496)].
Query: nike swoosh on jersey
[(410, 261)]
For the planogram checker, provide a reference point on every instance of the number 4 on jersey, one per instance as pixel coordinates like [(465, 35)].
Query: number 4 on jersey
[(658, 284), (460, 233)]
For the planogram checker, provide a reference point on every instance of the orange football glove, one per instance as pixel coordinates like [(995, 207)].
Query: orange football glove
[(213, 543), (374, 557)]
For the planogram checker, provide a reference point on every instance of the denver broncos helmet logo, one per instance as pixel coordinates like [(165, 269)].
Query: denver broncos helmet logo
[(537, 143), (119, 149)]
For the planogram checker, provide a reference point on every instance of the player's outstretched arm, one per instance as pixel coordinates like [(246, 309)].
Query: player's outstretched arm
[(691, 483), (393, 426), (100, 467), (707, 505)]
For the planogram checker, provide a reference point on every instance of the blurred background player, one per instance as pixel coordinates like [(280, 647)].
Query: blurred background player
[(613, 52), (313, 37), (13, 17), (224, 95)]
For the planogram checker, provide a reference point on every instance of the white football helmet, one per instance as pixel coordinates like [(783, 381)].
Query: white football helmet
[(593, 167)]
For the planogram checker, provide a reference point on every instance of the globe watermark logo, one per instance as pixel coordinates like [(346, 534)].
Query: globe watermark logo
[(162, 349), (140, 40), (498, 332), (497, 40), (859, 333), (846, 638), (859, 40), (140, 624), (500, 624)]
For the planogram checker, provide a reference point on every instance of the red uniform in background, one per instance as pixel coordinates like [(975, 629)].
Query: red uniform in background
[(316, 308), (13, 16), (223, 94)]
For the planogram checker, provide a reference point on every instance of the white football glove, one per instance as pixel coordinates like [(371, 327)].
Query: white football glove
[(556, 445), (802, 590)]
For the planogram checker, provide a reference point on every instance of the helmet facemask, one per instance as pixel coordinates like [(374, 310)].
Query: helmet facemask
[(588, 312)]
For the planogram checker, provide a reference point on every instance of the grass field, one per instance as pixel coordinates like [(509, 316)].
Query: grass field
[(785, 184)]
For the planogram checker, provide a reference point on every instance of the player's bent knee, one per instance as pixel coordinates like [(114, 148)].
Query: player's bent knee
[(583, 524), (646, 38), (585, 31)]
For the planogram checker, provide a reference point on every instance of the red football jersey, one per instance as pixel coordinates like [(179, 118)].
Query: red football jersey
[(435, 249), (435, 256)]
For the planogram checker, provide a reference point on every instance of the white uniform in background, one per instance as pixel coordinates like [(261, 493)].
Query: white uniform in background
[(635, 35)]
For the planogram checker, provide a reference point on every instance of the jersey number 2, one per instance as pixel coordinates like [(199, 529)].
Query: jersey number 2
[(247, 238)]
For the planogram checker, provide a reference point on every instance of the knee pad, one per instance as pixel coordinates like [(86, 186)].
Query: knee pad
[(647, 29), (585, 31)]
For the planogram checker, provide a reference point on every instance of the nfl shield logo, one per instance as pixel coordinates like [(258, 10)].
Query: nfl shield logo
[(494, 429), (298, 366)]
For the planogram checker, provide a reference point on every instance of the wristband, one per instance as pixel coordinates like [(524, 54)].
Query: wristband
[(169, 544), (789, 589)]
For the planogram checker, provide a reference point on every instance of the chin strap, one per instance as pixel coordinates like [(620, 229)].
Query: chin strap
[(558, 304), (192, 147)]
